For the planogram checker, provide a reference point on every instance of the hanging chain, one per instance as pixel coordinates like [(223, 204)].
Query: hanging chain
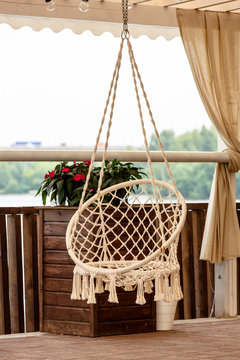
[(125, 32)]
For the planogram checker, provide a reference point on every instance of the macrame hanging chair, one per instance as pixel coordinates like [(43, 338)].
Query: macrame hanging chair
[(127, 235)]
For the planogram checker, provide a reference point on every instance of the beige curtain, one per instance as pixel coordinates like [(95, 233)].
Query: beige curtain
[(212, 44)]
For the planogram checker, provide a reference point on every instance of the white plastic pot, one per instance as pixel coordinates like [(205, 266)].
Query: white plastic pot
[(165, 313)]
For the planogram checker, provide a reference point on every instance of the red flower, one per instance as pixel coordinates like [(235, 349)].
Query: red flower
[(46, 176), (74, 162), (79, 177), (87, 162), (51, 174), (65, 170)]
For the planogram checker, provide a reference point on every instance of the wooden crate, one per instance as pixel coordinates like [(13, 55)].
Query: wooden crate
[(60, 314)]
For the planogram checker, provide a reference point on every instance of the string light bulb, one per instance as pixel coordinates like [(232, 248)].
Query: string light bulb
[(83, 6), (50, 5)]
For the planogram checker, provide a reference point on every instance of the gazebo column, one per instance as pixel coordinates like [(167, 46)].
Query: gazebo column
[(226, 274), (226, 288)]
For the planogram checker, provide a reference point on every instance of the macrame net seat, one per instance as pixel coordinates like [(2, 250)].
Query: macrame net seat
[(127, 235), (130, 245)]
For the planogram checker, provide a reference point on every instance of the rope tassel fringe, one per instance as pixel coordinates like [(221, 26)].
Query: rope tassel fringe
[(99, 286), (112, 291), (91, 297), (76, 286), (85, 287), (140, 294)]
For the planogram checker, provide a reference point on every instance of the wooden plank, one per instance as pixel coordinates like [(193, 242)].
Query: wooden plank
[(58, 271), (94, 326), (200, 290), (198, 4), (54, 242), (55, 228), (40, 267), (17, 210), (125, 299), (197, 206), (56, 215), (4, 271), (226, 6), (57, 257), (63, 299), (2, 312), (13, 278), (203, 275), (122, 313), (171, 2), (126, 327), (66, 327), (179, 314), (66, 313), (238, 281), (28, 272), (186, 270), (35, 270), (19, 271), (58, 285)]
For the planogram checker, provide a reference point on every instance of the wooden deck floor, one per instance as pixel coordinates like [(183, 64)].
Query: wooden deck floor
[(209, 340)]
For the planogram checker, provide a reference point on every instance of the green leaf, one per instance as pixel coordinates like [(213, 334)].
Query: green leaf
[(60, 185), (61, 197), (38, 192), (53, 196), (69, 187), (44, 197)]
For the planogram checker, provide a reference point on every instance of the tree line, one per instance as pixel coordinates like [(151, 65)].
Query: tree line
[(192, 179)]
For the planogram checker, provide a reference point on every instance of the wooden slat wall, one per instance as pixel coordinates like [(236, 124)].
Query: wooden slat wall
[(19, 308), (60, 314), (197, 277)]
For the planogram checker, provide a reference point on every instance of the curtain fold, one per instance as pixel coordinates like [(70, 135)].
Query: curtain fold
[(212, 44)]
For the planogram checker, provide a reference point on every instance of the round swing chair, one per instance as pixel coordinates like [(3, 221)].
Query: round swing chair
[(127, 235)]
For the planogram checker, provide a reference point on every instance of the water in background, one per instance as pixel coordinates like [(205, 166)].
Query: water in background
[(10, 200)]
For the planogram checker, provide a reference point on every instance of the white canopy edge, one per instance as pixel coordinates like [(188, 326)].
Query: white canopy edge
[(79, 26)]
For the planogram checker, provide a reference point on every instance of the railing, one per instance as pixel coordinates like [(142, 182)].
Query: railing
[(19, 307), (19, 296)]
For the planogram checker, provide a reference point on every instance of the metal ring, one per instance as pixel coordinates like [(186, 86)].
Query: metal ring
[(125, 34)]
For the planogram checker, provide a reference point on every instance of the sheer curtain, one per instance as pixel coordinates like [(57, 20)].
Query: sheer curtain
[(212, 44)]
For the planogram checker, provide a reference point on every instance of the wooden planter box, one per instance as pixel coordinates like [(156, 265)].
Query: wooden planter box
[(60, 314)]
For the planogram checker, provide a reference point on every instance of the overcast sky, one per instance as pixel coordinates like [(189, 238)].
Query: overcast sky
[(53, 87)]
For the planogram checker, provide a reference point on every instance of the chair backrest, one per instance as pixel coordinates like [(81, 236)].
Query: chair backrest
[(124, 228)]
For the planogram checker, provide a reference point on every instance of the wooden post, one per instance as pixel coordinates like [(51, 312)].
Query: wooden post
[(5, 310), (13, 279), (18, 231), (2, 322), (40, 266), (28, 272)]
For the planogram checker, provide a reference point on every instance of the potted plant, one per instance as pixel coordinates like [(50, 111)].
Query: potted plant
[(64, 184), (60, 314)]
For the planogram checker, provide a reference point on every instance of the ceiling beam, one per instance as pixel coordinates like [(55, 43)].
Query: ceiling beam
[(103, 11), (227, 6), (199, 4), (170, 2)]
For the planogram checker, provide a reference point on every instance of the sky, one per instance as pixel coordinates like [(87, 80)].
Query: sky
[(53, 88)]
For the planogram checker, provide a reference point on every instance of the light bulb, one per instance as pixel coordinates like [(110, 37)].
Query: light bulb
[(83, 5), (50, 5), (130, 4)]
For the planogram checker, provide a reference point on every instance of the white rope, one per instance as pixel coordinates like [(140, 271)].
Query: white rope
[(132, 245)]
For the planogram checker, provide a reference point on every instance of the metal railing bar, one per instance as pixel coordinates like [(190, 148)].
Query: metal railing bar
[(135, 156)]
